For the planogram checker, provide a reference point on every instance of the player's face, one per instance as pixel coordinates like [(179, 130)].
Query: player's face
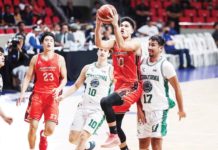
[(154, 49), (126, 29), (48, 43), (2, 59), (103, 54)]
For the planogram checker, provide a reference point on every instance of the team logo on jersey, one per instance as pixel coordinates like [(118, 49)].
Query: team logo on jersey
[(94, 83), (147, 86)]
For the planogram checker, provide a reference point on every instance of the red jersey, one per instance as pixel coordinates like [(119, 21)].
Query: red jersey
[(125, 65), (47, 74)]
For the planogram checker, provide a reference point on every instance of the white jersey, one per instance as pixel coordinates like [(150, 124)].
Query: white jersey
[(98, 84), (154, 79)]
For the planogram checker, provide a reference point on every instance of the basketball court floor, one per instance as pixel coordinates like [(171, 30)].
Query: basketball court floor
[(198, 131)]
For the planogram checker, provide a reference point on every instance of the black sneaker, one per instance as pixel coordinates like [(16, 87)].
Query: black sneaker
[(181, 67), (191, 67)]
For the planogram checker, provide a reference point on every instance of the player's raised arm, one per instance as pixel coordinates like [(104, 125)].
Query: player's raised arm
[(98, 37)]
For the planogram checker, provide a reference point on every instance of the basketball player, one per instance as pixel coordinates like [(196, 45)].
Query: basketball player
[(50, 74), (98, 78), (127, 90), (156, 72), (7, 119)]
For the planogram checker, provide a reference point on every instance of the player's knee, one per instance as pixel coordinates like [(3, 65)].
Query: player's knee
[(156, 143), (72, 139), (33, 129), (49, 131), (143, 145), (104, 102), (84, 136)]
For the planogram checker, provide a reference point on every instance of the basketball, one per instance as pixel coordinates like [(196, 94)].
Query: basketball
[(105, 12)]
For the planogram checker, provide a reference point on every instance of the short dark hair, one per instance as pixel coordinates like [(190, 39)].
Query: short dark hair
[(130, 20), (159, 39), (19, 23), (46, 34), (1, 50)]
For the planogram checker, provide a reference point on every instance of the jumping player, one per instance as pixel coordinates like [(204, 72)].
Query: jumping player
[(97, 78), (156, 72), (127, 90), (49, 70)]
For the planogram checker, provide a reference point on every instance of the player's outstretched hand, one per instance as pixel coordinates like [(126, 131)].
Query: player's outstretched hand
[(181, 114), (9, 120), (141, 116), (55, 92), (59, 98), (115, 19), (20, 99)]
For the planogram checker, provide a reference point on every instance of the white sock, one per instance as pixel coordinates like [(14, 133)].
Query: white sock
[(87, 145)]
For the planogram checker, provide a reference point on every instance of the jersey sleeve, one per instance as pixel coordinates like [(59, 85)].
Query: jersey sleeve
[(168, 70)]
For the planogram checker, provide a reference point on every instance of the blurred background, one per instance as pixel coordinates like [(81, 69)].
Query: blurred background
[(189, 26)]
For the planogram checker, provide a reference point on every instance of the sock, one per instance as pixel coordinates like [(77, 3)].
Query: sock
[(124, 148), (87, 145), (113, 129)]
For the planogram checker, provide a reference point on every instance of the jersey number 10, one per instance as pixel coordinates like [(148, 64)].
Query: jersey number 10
[(92, 92)]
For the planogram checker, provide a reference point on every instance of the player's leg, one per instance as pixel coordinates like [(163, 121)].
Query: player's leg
[(77, 125), (92, 124), (74, 137), (83, 138), (156, 143), (144, 143), (159, 129), (107, 104), (33, 115), (49, 128), (144, 132), (32, 133), (51, 112), (121, 134)]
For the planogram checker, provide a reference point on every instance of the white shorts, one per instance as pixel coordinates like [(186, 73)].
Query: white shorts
[(155, 126), (89, 120)]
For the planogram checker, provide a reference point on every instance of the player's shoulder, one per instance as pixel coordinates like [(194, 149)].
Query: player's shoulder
[(165, 61), (87, 66), (166, 64), (34, 58), (59, 56)]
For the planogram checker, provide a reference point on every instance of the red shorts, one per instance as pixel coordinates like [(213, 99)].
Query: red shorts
[(39, 104), (130, 93)]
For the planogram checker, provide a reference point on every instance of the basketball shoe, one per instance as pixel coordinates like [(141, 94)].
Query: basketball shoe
[(112, 141), (43, 144), (91, 145)]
